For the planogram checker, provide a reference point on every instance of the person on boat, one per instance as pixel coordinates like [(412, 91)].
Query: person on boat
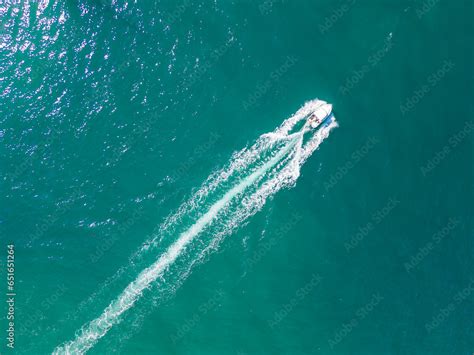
[(313, 119)]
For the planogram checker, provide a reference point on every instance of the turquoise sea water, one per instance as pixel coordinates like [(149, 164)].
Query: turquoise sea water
[(115, 113)]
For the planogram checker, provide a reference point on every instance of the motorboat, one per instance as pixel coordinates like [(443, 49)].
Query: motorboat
[(320, 114)]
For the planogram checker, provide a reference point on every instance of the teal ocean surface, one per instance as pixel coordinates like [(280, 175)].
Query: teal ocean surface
[(153, 206)]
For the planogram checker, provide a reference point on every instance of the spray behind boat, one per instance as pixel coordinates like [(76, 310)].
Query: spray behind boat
[(224, 202)]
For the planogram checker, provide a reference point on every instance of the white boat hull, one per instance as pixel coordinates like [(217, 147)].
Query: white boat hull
[(320, 114)]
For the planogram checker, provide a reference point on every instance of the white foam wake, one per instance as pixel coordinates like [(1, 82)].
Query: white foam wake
[(242, 188)]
